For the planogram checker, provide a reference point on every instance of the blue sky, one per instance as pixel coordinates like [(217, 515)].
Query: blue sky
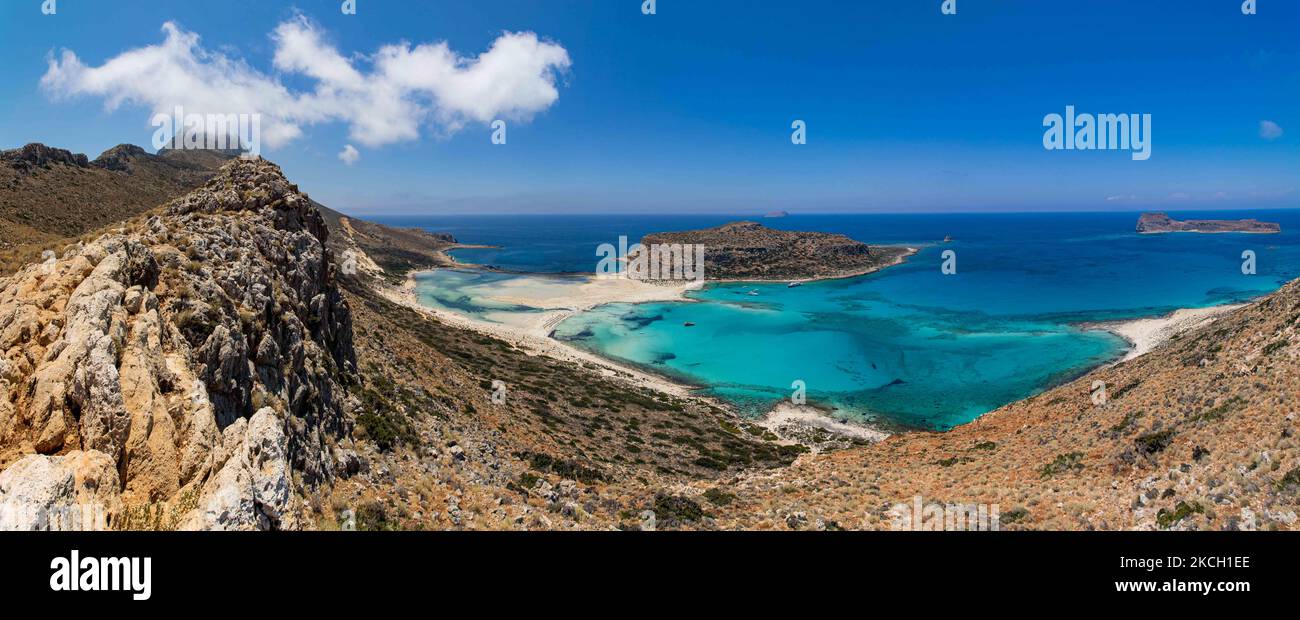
[(689, 110)]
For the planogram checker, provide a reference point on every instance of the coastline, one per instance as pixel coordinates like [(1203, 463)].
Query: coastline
[(790, 422), (534, 337), (1146, 334)]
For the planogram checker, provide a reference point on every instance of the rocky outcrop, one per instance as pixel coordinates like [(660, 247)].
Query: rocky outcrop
[(40, 156), (77, 491), (155, 346), (1150, 223), (251, 487), (120, 157)]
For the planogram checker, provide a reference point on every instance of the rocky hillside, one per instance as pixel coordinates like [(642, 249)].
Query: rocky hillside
[(190, 370), (751, 251), (49, 194), (387, 251), (211, 365), (1198, 434)]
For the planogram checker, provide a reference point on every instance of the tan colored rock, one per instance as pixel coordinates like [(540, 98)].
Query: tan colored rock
[(77, 491), (147, 345), (251, 489)]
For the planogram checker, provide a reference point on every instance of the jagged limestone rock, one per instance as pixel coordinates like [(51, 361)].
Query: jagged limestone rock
[(155, 345), (77, 491)]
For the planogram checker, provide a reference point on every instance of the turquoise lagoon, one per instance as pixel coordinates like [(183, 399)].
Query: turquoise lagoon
[(907, 346)]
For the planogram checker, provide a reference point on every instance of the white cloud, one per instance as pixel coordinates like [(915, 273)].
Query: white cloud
[(349, 155), (1269, 130), (385, 98)]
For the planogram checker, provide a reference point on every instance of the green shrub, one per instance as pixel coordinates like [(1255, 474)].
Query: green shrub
[(1061, 464), (1154, 442), (1166, 518)]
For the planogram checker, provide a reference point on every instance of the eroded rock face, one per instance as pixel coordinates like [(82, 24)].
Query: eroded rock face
[(150, 346), (77, 491), (251, 489)]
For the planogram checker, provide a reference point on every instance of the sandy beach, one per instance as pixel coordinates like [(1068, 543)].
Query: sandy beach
[(533, 333), (1146, 334)]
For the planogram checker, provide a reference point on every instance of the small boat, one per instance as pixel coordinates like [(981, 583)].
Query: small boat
[(688, 324), (753, 293), (794, 284)]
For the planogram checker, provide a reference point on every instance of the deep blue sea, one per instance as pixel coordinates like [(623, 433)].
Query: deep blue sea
[(907, 346)]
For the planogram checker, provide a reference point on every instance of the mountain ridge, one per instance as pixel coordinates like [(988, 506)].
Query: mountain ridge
[(49, 196)]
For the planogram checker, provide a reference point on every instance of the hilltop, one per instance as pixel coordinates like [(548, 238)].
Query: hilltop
[(48, 194), (188, 370)]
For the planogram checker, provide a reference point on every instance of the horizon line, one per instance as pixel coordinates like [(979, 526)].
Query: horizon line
[(762, 216)]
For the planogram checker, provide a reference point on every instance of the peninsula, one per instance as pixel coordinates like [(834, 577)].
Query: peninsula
[(750, 251)]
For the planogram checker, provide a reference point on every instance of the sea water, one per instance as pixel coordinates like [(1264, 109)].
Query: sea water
[(907, 346)]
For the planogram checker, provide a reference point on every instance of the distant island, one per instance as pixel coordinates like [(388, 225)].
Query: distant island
[(776, 214), (1151, 223), (752, 251)]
